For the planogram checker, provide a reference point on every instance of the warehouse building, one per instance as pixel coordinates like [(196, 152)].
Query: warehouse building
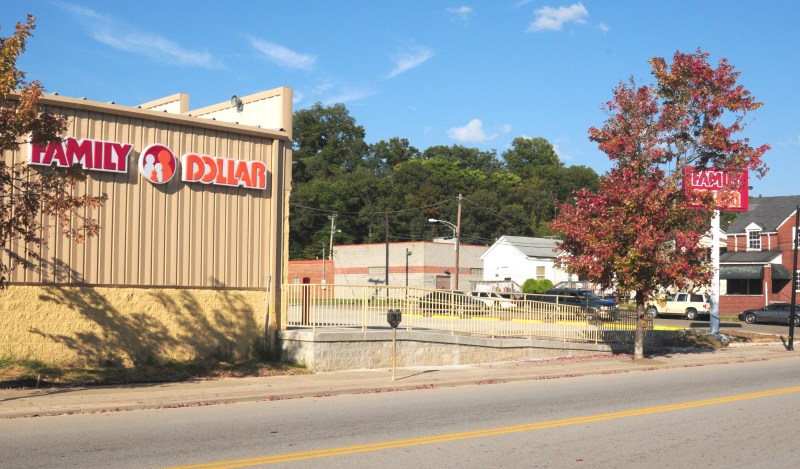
[(193, 240)]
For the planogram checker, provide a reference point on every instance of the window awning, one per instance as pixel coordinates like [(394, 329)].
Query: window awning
[(779, 272), (752, 272), (741, 272)]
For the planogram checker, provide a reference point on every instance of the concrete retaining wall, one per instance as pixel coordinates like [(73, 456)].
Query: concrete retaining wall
[(326, 350)]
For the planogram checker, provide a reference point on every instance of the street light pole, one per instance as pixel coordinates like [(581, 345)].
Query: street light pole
[(408, 253), (456, 234)]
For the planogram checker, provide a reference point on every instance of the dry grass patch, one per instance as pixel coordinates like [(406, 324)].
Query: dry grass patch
[(32, 373), (705, 340)]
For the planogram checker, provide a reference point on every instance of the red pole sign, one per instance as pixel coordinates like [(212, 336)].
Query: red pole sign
[(730, 189)]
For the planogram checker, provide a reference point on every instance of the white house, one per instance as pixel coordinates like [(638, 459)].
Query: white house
[(519, 258)]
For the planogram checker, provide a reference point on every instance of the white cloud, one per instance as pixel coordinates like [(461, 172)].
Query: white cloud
[(348, 96), (561, 154), (283, 56), (603, 27), (122, 36), (505, 128), (461, 13), (549, 18), (407, 60), (470, 133), (329, 92), (791, 141)]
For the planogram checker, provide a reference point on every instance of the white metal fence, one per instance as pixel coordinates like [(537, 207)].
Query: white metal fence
[(365, 306)]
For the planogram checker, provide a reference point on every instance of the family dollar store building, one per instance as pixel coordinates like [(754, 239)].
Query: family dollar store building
[(192, 244)]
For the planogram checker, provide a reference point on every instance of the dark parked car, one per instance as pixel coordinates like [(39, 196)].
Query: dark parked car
[(775, 313), (596, 307), (451, 302), (603, 308)]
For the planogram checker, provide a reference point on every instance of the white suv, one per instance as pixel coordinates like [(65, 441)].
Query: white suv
[(493, 300), (688, 305)]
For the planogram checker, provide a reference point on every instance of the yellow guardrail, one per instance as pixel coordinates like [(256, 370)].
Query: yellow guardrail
[(365, 306)]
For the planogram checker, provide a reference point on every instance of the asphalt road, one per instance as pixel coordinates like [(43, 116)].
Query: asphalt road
[(739, 415)]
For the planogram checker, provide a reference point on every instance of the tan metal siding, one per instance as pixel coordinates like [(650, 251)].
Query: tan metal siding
[(177, 234)]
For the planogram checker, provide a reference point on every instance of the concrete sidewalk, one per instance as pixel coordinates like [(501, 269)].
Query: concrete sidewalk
[(17, 403)]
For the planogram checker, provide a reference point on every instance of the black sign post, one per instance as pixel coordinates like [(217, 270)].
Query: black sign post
[(394, 316)]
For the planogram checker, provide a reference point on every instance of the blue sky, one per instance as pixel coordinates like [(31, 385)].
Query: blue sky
[(475, 73)]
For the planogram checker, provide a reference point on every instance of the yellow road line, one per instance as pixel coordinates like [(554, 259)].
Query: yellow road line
[(345, 450)]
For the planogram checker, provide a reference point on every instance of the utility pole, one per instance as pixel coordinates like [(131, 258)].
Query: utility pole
[(333, 230), (323, 266), (386, 224), (458, 236)]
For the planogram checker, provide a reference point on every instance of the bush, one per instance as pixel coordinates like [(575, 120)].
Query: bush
[(536, 286)]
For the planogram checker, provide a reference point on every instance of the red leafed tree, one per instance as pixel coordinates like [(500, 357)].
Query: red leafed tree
[(638, 233), (28, 197)]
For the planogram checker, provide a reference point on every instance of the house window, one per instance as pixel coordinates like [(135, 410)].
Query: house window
[(476, 271), (744, 287), (797, 281), (796, 238), (754, 240), (377, 271), (539, 272)]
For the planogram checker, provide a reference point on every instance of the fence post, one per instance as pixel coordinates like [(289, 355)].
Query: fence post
[(306, 301), (364, 307)]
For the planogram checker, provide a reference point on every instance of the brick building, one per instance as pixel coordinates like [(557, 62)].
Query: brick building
[(757, 268), (314, 270), (423, 264)]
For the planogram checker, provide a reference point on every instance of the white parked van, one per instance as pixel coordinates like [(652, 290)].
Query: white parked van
[(491, 299), (688, 305)]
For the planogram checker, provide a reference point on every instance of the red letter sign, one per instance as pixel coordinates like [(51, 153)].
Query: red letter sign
[(730, 189)]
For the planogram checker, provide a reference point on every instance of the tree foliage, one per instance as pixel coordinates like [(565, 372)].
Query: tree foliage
[(335, 171), (29, 197), (638, 232)]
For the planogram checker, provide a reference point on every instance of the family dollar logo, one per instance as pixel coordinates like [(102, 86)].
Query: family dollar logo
[(157, 164)]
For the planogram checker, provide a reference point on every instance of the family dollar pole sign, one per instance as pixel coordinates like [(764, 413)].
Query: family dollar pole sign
[(730, 189)]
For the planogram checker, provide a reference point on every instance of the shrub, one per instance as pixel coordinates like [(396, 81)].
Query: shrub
[(536, 286)]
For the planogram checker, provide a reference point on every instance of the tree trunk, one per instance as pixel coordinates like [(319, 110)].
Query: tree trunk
[(638, 340)]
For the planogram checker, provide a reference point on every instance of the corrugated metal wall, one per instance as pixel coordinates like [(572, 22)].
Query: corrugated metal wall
[(175, 234)]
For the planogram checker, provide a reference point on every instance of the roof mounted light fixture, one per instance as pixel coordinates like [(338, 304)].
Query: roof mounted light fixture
[(237, 103)]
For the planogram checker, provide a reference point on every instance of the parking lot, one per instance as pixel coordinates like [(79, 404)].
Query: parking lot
[(775, 329)]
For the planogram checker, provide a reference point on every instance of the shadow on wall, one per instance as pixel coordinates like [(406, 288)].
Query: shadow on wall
[(155, 325)]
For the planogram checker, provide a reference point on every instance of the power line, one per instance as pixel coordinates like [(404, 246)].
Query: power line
[(382, 212)]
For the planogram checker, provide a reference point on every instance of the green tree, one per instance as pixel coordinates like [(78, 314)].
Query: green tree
[(464, 158), (544, 181), (638, 232), (531, 156), (327, 142), (384, 156), (30, 198)]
